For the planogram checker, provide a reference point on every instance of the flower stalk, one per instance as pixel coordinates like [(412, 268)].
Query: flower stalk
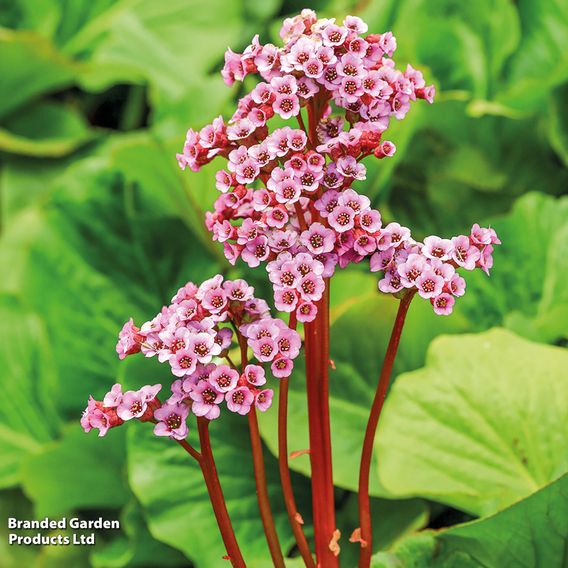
[(294, 516), (366, 535), (207, 463), (317, 364)]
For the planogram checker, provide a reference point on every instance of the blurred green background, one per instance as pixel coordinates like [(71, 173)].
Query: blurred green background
[(98, 224)]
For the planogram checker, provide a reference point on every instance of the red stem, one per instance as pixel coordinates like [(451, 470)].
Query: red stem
[(260, 476), (317, 364), (262, 493), (285, 480), (367, 450), (207, 463)]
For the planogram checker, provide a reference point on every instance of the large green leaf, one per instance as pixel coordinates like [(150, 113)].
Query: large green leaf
[(44, 130), (526, 291), (541, 62), (170, 486), (357, 351), (27, 419), (530, 534), (88, 262), (478, 427), (393, 520), (135, 546), (29, 67), (57, 477), (146, 41)]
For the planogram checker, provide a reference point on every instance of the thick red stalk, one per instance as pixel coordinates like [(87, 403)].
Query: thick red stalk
[(260, 476), (317, 365), (367, 450), (285, 480), (207, 463)]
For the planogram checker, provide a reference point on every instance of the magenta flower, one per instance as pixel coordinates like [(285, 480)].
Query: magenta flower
[(282, 367), (318, 239), (114, 397), (135, 403), (100, 418), (224, 379), (129, 340), (206, 399), (240, 400), (255, 375), (443, 304), (263, 399), (435, 247), (183, 362), (172, 420), (429, 284)]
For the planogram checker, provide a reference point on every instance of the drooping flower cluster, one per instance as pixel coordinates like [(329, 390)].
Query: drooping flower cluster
[(192, 335), (286, 194), (429, 268)]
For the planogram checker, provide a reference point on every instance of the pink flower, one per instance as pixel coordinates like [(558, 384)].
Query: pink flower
[(411, 269), (206, 399), (285, 300), (311, 287), (263, 399), (183, 363), (342, 218), (180, 390), (96, 416), (443, 304), (282, 367), (264, 349), (486, 260), (224, 379), (240, 400), (172, 420), (457, 285), (129, 340), (255, 375), (203, 347), (114, 397), (318, 239), (464, 254), (429, 284), (334, 35), (435, 247), (286, 106), (306, 312), (135, 403)]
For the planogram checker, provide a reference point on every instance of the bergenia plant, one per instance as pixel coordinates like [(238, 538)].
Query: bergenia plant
[(287, 204)]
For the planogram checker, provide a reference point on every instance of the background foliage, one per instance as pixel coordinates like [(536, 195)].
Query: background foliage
[(98, 224)]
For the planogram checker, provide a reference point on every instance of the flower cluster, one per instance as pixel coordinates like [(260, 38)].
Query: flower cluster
[(193, 335), (429, 268), (286, 196), (118, 407)]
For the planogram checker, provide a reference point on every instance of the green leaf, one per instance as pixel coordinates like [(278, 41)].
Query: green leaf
[(27, 379), (29, 66), (170, 486), (56, 478), (357, 354), (536, 530), (475, 428), (543, 50), (393, 520), (44, 130), (558, 122), (145, 41), (526, 291), (137, 547), (91, 260)]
